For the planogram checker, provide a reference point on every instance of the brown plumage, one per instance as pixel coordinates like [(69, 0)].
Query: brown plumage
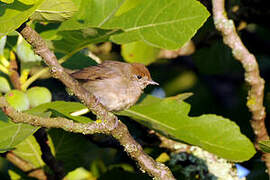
[(117, 85)]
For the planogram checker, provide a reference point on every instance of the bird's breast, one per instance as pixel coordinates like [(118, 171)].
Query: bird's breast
[(114, 94)]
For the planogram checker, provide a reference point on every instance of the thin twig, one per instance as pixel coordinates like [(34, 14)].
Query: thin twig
[(47, 156), (13, 69), (108, 125), (25, 166), (121, 133), (43, 71), (58, 122), (252, 73), (13, 158)]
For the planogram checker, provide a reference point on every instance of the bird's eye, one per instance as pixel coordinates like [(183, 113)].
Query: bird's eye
[(139, 76)]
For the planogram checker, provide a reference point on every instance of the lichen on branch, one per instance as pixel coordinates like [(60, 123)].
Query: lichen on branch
[(252, 73), (119, 132)]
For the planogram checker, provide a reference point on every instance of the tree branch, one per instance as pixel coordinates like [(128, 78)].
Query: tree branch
[(47, 156), (58, 122), (25, 166), (108, 125), (252, 74)]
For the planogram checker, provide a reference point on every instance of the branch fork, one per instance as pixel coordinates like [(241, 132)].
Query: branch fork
[(110, 124)]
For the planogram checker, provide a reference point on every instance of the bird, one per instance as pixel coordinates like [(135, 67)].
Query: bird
[(116, 85)]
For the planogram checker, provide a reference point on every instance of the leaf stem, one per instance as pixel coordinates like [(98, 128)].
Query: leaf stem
[(33, 78), (43, 71), (26, 166), (24, 76)]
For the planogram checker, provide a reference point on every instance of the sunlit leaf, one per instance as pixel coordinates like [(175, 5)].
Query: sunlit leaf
[(64, 108), (68, 41), (15, 14), (213, 133), (161, 23), (126, 6), (12, 134), (92, 13), (28, 2), (25, 51), (139, 52), (55, 10), (7, 1), (80, 173), (29, 150)]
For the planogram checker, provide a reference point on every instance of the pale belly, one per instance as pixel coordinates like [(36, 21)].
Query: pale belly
[(113, 96), (115, 101)]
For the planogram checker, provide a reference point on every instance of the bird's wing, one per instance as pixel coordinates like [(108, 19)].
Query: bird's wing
[(99, 72)]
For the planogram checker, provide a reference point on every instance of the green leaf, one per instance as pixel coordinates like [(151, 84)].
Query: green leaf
[(127, 5), (139, 52), (15, 14), (55, 10), (29, 150), (28, 2), (7, 1), (80, 173), (181, 82), (74, 150), (161, 23), (98, 167), (17, 174), (92, 13), (75, 33), (265, 146), (12, 134), (213, 133), (75, 40), (13, 174), (64, 108), (25, 52), (85, 61)]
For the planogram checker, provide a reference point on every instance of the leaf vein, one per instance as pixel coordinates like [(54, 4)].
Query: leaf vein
[(161, 23)]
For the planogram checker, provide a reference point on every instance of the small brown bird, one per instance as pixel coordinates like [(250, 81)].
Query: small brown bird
[(117, 85)]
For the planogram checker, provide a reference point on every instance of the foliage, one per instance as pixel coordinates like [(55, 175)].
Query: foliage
[(213, 133), (139, 31), (265, 146), (12, 134)]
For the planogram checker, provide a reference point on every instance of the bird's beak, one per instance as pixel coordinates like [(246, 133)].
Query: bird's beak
[(152, 82)]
